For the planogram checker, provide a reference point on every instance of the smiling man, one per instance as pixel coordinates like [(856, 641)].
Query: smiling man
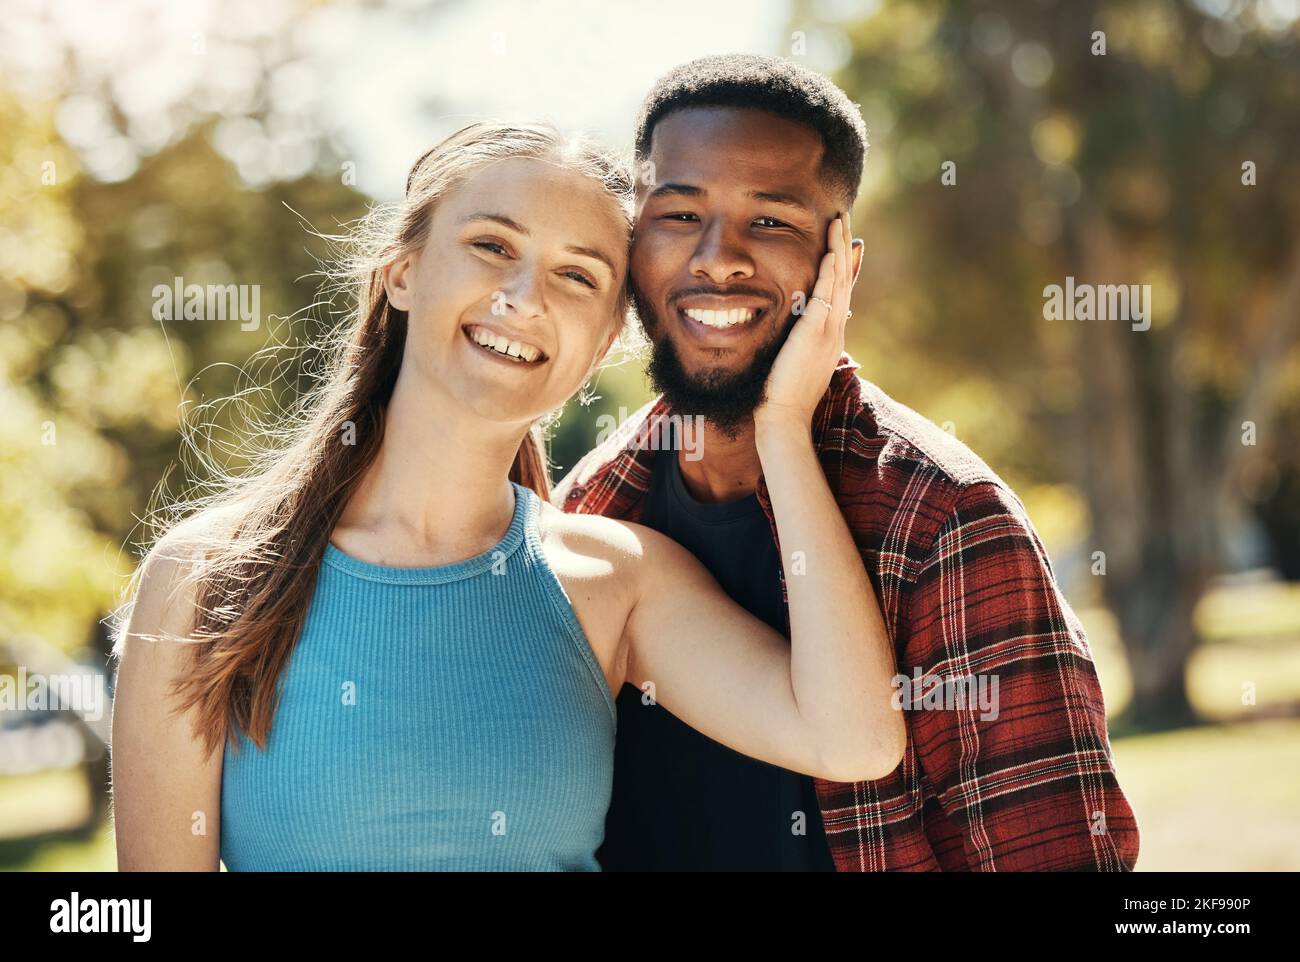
[(749, 159)]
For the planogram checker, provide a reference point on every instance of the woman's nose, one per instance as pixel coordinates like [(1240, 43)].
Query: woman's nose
[(524, 292)]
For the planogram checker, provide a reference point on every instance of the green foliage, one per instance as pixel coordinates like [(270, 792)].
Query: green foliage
[(93, 384)]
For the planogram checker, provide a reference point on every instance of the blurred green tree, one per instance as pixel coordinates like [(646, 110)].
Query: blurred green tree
[(94, 383)]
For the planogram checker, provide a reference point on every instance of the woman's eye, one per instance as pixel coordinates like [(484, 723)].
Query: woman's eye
[(580, 278), (492, 246)]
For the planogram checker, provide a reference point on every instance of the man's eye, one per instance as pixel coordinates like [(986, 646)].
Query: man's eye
[(677, 215), (774, 222), (492, 246)]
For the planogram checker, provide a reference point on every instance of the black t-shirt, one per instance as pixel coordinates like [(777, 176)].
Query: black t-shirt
[(681, 801)]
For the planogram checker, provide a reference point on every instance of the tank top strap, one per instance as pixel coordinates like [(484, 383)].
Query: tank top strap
[(535, 558)]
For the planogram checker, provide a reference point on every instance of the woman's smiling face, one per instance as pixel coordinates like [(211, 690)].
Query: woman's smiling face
[(514, 295)]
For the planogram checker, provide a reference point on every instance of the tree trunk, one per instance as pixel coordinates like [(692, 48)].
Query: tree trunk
[(1144, 493)]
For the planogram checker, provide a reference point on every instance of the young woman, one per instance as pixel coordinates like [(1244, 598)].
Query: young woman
[(396, 654)]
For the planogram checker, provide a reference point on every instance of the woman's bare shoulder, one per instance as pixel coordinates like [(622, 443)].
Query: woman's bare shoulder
[(165, 595), (592, 534), (632, 551)]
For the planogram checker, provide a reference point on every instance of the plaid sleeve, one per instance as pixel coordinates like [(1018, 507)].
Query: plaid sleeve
[(1022, 765)]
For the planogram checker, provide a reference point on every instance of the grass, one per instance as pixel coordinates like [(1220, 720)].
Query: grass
[(96, 853), (1215, 797), (44, 801)]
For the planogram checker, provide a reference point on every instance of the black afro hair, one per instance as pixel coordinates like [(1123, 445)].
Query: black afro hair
[(776, 86)]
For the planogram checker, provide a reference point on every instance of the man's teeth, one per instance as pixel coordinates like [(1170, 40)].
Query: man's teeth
[(739, 315), (503, 345)]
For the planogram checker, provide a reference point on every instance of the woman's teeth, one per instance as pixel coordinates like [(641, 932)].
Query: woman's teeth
[(503, 345), (739, 315)]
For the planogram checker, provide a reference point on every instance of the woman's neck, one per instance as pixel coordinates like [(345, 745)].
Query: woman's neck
[(438, 490)]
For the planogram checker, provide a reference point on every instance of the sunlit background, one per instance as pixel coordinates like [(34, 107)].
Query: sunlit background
[(142, 141)]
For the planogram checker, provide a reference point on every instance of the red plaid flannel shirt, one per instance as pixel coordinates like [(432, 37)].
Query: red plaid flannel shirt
[(967, 589)]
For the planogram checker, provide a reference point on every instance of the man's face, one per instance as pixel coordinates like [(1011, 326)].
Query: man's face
[(732, 226)]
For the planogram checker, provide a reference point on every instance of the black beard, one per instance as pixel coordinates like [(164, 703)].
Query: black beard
[(725, 400)]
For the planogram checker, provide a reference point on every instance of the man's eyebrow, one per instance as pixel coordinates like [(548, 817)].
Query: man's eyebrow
[(776, 197), (519, 228), (676, 190), (770, 196)]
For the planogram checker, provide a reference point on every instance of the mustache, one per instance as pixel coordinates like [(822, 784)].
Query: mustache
[(711, 291)]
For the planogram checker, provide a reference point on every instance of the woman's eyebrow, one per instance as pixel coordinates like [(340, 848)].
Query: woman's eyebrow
[(519, 228), (594, 254), (501, 219)]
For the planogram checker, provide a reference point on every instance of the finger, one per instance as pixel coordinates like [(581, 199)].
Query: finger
[(834, 330), (848, 259), (837, 261), (837, 246), (819, 303), (822, 293), (846, 278)]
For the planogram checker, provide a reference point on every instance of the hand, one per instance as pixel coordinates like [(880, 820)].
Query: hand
[(803, 369)]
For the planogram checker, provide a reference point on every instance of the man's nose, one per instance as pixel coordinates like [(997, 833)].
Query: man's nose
[(720, 255)]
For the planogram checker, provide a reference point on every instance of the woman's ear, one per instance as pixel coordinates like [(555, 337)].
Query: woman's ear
[(605, 346), (398, 278), (601, 351)]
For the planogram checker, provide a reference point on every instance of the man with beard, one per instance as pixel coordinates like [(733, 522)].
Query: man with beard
[(749, 159)]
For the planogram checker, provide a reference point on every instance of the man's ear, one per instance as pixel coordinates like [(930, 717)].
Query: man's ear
[(858, 247), (398, 278)]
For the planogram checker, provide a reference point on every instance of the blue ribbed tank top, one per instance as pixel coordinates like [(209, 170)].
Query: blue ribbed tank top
[(437, 718)]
